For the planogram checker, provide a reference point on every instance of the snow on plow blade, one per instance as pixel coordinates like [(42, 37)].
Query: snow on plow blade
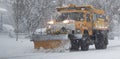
[(49, 41), (38, 37)]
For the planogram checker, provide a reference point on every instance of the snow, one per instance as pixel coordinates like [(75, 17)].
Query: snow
[(40, 31), (24, 49), (54, 1), (2, 9), (10, 46), (8, 28), (119, 9)]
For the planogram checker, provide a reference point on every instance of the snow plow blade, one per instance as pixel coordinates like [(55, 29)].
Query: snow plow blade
[(49, 41)]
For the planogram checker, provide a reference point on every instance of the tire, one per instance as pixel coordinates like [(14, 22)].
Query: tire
[(84, 43), (102, 41), (73, 49), (74, 43), (106, 39), (84, 47), (100, 46)]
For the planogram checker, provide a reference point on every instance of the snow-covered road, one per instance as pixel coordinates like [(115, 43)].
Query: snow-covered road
[(23, 49)]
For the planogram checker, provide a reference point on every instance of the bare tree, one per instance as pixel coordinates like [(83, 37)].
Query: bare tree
[(17, 15)]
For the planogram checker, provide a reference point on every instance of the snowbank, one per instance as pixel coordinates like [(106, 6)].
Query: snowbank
[(24, 49), (41, 31), (2, 9), (9, 29)]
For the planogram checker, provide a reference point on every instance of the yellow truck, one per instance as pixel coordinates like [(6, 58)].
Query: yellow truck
[(81, 25)]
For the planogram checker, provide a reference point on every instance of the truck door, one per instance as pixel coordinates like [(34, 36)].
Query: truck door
[(89, 23)]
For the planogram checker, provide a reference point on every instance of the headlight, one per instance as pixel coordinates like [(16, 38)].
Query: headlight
[(51, 22), (66, 21)]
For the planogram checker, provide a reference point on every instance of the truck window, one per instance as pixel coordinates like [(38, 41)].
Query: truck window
[(78, 16), (94, 17), (88, 17), (100, 16)]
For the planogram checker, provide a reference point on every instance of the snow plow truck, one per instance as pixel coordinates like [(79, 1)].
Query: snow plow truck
[(82, 26)]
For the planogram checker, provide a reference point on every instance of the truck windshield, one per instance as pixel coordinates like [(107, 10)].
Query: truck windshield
[(78, 16), (100, 16)]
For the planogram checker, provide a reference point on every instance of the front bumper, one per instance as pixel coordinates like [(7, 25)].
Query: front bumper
[(59, 26)]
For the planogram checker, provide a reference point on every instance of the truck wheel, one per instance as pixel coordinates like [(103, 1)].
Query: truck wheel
[(74, 43), (106, 39), (84, 41), (84, 47), (100, 46), (101, 41)]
